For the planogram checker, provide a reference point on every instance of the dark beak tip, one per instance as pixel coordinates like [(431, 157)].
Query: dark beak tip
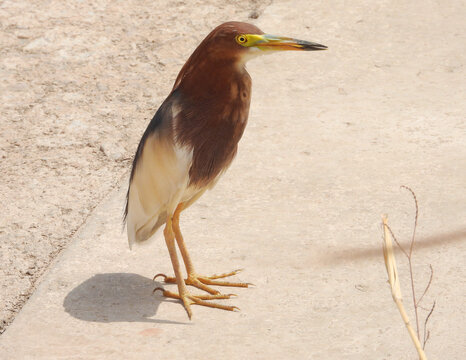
[(317, 47), (311, 46)]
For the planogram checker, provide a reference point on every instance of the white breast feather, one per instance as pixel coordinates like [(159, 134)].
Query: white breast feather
[(159, 183)]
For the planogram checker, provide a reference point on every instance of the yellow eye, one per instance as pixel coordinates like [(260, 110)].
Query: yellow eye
[(241, 39)]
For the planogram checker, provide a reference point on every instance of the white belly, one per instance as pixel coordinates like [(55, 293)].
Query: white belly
[(159, 184)]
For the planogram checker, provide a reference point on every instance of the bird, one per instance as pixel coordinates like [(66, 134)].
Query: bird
[(189, 144)]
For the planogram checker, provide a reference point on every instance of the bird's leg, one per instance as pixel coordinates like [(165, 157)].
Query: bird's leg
[(193, 279), (183, 293)]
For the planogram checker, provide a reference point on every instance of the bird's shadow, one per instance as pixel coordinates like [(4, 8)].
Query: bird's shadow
[(115, 297)]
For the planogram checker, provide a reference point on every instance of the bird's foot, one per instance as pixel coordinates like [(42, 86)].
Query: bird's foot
[(202, 282), (189, 299)]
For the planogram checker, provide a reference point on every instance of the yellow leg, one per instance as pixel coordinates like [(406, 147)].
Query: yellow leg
[(193, 279), (170, 241), (183, 293)]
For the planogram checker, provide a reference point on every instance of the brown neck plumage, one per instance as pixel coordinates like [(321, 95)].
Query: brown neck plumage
[(213, 99)]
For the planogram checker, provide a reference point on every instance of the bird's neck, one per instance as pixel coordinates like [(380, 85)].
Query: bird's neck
[(213, 102), (209, 79)]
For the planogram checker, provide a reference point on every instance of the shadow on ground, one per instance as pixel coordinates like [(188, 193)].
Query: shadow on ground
[(352, 254), (114, 297)]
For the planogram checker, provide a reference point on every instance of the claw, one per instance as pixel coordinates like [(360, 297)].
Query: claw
[(158, 288), (187, 307), (156, 276)]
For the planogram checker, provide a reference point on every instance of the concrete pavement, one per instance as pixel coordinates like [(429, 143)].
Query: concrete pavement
[(332, 136)]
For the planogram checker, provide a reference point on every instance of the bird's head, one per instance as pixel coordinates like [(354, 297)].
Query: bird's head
[(242, 41), (233, 43)]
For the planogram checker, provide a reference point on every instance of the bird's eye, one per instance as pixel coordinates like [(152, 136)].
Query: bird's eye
[(241, 39)]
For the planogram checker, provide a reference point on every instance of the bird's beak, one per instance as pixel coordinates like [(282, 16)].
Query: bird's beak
[(279, 43)]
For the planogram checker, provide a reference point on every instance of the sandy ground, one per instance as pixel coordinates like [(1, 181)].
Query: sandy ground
[(79, 80)]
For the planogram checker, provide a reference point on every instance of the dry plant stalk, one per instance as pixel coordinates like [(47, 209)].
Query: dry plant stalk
[(392, 271)]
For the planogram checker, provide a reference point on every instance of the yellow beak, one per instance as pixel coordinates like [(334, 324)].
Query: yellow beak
[(271, 42)]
